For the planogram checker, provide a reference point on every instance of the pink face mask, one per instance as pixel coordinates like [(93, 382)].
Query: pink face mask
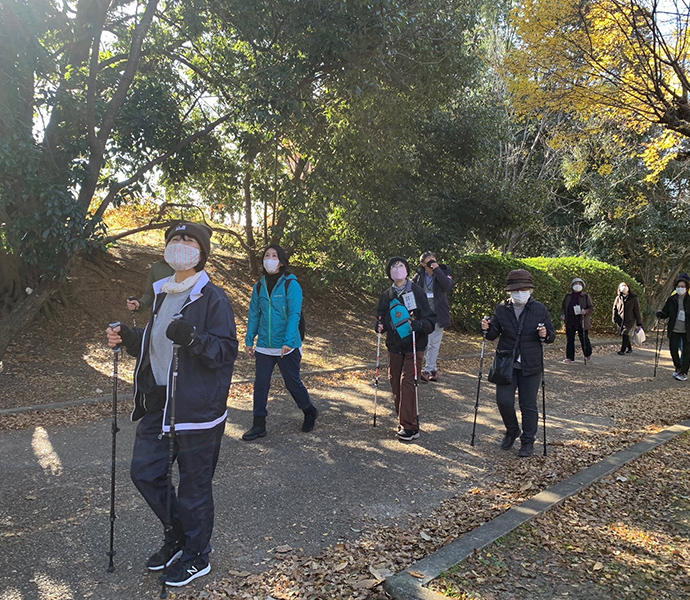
[(398, 273)]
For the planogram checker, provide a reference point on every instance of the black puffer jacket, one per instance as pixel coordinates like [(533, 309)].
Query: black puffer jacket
[(505, 324), (670, 312)]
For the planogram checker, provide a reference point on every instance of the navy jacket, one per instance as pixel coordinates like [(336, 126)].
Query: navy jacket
[(443, 283), (204, 369), (504, 323)]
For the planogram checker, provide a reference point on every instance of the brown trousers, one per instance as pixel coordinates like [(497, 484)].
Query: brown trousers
[(401, 376)]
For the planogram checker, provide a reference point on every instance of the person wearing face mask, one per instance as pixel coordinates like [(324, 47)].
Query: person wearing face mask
[(626, 315), (677, 311), (523, 320), (436, 282), (576, 312), (401, 298), (207, 340), (274, 323)]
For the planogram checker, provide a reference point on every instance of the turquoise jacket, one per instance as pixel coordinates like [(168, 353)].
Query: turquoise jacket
[(275, 319)]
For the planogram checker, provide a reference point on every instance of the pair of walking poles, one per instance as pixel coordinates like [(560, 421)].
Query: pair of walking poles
[(378, 371), (479, 384), (171, 456)]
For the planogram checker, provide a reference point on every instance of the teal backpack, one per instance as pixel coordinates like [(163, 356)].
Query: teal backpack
[(400, 319)]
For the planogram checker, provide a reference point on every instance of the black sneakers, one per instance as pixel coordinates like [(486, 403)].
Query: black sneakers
[(509, 439), (407, 435), (526, 450), (181, 573), (310, 415), (157, 561)]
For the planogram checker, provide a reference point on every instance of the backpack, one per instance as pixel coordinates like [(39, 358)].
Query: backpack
[(301, 326), (400, 319)]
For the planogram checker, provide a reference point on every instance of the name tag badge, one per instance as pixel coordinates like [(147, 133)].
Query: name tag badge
[(409, 301), (430, 295)]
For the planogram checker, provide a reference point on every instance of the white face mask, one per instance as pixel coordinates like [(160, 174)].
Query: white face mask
[(182, 257), (624, 290), (681, 291), (398, 273), (271, 265), (520, 298), (577, 288)]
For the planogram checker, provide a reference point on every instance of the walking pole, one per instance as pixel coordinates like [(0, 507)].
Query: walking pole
[(543, 388), (479, 383), (582, 338), (416, 381), (378, 362), (171, 454), (134, 319), (658, 345), (114, 430)]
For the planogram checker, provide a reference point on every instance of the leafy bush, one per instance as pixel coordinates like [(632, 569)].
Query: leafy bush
[(601, 283), (480, 286)]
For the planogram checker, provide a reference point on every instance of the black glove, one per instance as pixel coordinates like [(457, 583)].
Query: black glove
[(432, 264), (181, 332), (416, 326), (659, 315), (129, 338)]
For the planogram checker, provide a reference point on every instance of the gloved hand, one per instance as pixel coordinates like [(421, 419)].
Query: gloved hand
[(416, 326), (181, 332), (659, 314), (129, 338)]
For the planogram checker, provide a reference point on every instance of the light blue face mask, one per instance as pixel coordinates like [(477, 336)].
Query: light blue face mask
[(521, 298)]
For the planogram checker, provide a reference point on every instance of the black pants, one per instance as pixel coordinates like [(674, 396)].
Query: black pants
[(527, 389), (681, 359), (625, 343), (583, 334), (196, 454)]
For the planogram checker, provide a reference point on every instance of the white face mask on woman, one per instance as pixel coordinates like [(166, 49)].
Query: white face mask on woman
[(680, 291), (577, 288), (521, 297), (182, 257), (398, 273), (271, 265)]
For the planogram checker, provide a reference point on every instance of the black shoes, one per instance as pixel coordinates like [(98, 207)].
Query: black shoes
[(509, 439), (258, 429), (158, 561), (526, 450), (310, 415), (181, 573), (407, 435)]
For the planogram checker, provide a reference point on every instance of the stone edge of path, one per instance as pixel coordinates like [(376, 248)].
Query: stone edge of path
[(404, 586)]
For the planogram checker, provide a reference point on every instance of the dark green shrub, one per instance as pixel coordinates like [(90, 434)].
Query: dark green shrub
[(480, 281), (601, 283)]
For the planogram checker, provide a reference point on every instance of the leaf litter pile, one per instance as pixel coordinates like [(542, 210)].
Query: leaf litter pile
[(627, 536)]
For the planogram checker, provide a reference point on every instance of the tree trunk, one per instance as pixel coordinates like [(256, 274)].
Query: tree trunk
[(24, 313), (249, 228)]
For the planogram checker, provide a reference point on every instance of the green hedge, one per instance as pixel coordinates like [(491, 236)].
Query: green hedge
[(601, 283), (480, 286)]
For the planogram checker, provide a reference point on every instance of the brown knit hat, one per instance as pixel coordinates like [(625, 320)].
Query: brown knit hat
[(519, 279)]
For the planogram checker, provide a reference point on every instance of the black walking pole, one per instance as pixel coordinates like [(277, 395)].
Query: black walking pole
[(416, 380), (134, 319), (543, 388), (582, 338), (378, 362), (114, 430), (658, 345), (171, 455), (479, 383)]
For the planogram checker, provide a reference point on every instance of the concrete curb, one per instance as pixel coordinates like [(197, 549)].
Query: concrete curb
[(404, 586), (89, 401)]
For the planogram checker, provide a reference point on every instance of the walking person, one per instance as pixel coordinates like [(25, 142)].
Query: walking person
[(677, 311), (626, 316), (405, 316), (522, 323), (436, 282), (208, 344), (576, 312), (275, 312)]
